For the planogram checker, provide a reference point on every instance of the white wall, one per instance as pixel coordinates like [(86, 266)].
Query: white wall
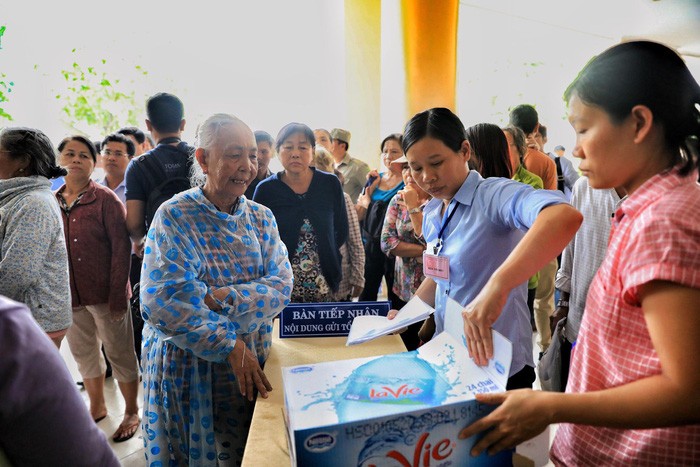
[(271, 62)]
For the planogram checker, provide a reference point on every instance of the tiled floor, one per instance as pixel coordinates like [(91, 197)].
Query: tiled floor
[(130, 453)]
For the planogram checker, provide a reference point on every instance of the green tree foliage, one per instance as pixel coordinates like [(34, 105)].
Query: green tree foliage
[(5, 86), (97, 103)]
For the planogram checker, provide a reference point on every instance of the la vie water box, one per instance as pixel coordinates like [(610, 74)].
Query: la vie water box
[(403, 410)]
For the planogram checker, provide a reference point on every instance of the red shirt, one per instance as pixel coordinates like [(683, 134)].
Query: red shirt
[(655, 236), (99, 249)]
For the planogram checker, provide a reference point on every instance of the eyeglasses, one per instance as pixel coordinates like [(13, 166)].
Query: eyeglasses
[(108, 153)]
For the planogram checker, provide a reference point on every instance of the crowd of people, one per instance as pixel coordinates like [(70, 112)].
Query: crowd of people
[(171, 267)]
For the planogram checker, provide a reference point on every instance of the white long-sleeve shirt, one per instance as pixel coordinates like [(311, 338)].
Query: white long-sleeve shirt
[(581, 258)]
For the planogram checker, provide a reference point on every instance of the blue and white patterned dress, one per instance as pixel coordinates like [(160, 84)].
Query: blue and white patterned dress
[(193, 411)]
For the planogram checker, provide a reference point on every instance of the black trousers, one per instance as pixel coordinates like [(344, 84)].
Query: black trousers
[(378, 266), (531, 307), (135, 278), (410, 335), (565, 362), (522, 379)]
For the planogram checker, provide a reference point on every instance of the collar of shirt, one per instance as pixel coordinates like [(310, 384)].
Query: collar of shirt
[(64, 204), (653, 189), (465, 194), (87, 196), (346, 160), (103, 182), (206, 205)]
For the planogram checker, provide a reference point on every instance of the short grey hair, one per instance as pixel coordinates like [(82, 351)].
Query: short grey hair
[(206, 135)]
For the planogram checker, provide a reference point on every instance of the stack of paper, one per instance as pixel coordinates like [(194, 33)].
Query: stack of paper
[(366, 328)]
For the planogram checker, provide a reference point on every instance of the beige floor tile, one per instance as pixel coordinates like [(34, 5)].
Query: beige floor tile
[(133, 460), (130, 453)]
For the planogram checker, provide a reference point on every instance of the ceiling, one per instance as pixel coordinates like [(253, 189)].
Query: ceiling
[(673, 22)]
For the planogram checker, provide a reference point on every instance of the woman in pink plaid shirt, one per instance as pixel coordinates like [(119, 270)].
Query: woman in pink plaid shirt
[(633, 396)]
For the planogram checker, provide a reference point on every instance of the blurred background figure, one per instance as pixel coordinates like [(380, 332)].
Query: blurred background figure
[(402, 239), (580, 261), (33, 258), (99, 255), (371, 210), (43, 419), (354, 170), (309, 207), (517, 148), (266, 151), (490, 151), (566, 174), (352, 251), (116, 152), (323, 138), (138, 138)]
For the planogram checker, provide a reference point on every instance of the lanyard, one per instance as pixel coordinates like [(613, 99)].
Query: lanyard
[(438, 245)]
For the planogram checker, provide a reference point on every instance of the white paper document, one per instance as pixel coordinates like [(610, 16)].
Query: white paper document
[(502, 347), (368, 327)]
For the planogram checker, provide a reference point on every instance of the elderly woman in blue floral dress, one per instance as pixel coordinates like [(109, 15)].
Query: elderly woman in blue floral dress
[(215, 274)]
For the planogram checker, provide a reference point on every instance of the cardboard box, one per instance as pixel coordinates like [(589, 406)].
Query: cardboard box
[(404, 409)]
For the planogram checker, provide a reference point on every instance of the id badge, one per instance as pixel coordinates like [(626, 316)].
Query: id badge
[(436, 267)]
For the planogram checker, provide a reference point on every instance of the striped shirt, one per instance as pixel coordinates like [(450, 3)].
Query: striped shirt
[(654, 236), (582, 257), (353, 253)]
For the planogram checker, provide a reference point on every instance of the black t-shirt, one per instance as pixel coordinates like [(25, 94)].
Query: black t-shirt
[(171, 159), (250, 191)]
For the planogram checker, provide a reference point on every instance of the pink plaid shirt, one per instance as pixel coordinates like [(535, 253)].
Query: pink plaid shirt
[(655, 236)]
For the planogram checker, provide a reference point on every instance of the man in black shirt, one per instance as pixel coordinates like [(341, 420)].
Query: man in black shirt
[(168, 160), (151, 179)]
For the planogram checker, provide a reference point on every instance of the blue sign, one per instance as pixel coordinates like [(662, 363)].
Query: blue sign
[(326, 319)]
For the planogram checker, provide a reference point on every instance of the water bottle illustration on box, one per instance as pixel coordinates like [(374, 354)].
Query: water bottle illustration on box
[(377, 387)]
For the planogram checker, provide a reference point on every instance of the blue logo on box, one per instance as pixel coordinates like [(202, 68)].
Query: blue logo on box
[(499, 368), (301, 369), (320, 442)]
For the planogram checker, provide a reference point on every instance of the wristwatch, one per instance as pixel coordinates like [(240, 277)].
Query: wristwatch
[(415, 210), (563, 303)]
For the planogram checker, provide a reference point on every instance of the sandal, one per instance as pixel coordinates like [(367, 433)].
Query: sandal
[(126, 430)]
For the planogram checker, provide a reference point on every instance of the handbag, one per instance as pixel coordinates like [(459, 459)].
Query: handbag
[(550, 366)]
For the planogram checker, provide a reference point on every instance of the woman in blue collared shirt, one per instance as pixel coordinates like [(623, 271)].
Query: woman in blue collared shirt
[(495, 234)]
